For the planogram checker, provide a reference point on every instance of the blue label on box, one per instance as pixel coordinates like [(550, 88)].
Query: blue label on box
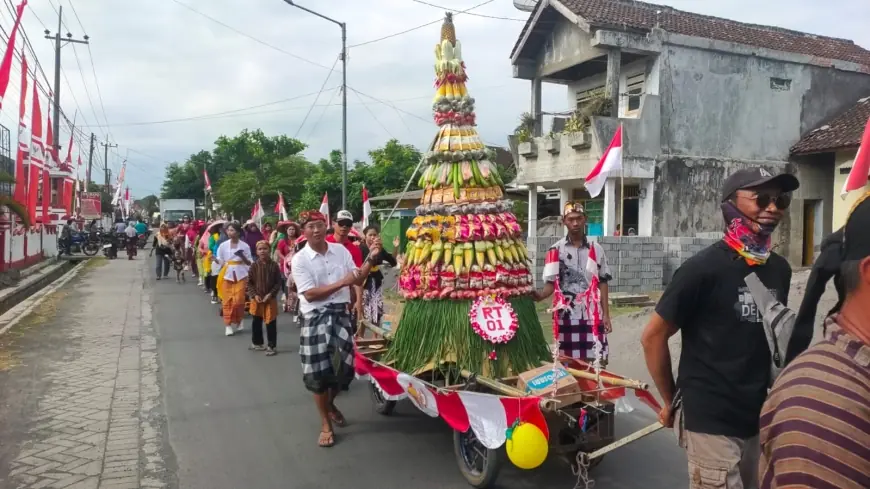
[(546, 379)]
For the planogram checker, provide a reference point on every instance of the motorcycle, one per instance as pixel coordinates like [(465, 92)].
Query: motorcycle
[(110, 245), (83, 242), (143, 240)]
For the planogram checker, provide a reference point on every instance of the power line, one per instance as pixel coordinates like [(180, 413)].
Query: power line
[(373, 115), (325, 108), (259, 41), (389, 36), (469, 13), (316, 98), (213, 115)]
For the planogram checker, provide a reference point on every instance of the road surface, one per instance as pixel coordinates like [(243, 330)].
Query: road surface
[(123, 382)]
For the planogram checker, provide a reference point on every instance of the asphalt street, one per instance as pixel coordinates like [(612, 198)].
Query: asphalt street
[(238, 419)]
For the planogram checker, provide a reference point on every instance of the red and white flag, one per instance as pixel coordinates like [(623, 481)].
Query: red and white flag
[(6, 64), (50, 162), (22, 155), (488, 415), (860, 171), (67, 162), (367, 206), (611, 160), (207, 181), (257, 212), (280, 208), (37, 156), (324, 207)]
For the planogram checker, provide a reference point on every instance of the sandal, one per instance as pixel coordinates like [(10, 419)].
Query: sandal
[(257, 347), (326, 440), (337, 418)]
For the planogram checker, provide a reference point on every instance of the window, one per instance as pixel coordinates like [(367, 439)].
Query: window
[(586, 96), (780, 84), (633, 93)]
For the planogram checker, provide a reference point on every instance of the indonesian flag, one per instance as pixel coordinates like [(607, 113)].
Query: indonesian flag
[(207, 181), (610, 160), (280, 209), (860, 171), (367, 206), (37, 156), (67, 162), (50, 162), (257, 213), (6, 64), (324, 208), (23, 152), (127, 203), (488, 415)]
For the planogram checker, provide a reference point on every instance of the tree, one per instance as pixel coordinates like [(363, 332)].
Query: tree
[(149, 204), (181, 182)]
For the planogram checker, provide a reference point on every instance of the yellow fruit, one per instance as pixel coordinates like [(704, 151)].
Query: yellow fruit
[(499, 251), (457, 259), (448, 30)]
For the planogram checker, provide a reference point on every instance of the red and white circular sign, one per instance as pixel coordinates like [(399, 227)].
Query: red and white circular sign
[(493, 319)]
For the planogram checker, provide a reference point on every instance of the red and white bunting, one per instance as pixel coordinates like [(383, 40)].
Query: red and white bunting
[(324, 208), (207, 180), (37, 156), (367, 206), (22, 155), (6, 64), (489, 416)]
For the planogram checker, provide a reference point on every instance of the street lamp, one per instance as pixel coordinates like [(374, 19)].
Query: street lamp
[(343, 97)]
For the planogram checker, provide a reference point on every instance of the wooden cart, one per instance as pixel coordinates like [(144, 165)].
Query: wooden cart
[(582, 447)]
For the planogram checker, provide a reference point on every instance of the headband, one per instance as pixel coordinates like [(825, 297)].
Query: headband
[(310, 216), (573, 206)]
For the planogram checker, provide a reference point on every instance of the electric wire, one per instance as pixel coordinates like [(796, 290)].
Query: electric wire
[(469, 13), (316, 98), (373, 115)]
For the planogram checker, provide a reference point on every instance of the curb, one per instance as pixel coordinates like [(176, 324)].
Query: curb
[(14, 315)]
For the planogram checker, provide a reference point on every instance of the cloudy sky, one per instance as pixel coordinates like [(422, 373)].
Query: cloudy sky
[(160, 61)]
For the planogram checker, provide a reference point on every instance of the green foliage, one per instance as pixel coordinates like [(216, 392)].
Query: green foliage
[(149, 204)]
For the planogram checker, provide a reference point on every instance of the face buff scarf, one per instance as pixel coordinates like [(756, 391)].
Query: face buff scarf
[(748, 238)]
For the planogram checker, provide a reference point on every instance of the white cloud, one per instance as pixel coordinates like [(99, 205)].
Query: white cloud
[(158, 60)]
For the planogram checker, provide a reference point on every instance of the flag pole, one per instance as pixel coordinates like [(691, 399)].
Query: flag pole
[(622, 181)]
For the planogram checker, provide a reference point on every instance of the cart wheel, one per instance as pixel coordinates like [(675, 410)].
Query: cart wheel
[(382, 406), (478, 464)]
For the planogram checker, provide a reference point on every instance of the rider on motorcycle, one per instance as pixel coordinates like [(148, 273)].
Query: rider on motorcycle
[(66, 237), (141, 227)]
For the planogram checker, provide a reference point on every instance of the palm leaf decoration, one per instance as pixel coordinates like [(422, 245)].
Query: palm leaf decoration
[(14, 206)]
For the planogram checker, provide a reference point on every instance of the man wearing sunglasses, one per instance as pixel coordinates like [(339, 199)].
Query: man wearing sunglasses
[(724, 369), (341, 227)]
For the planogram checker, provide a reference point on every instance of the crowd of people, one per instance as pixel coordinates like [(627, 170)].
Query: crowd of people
[(248, 269)]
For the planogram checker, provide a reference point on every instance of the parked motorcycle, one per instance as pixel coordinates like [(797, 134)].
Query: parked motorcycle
[(110, 245), (82, 242)]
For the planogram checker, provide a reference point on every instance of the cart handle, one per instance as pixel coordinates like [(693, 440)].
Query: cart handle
[(637, 435)]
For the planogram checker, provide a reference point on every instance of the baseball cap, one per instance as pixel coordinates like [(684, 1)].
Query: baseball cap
[(754, 177), (856, 239), (343, 215)]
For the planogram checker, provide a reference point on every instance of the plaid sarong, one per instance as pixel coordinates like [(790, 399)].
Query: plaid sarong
[(326, 349), (576, 339)]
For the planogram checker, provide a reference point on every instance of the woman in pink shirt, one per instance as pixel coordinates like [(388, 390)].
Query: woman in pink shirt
[(284, 251)]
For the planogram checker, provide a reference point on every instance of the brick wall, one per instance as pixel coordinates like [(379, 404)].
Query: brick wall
[(638, 264)]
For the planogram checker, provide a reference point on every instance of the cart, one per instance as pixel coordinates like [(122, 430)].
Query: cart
[(582, 447)]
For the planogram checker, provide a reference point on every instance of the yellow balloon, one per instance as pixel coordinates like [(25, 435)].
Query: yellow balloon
[(527, 447)]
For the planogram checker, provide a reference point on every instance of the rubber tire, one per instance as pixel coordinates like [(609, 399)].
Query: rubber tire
[(93, 247), (491, 468), (382, 406)]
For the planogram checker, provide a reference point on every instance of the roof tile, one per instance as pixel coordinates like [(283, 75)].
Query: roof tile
[(629, 14), (843, 131)]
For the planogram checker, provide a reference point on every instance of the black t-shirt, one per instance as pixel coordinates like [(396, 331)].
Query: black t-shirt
[(724, 369)]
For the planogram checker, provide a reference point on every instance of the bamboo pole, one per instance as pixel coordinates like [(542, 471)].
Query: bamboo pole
[(632, 384)]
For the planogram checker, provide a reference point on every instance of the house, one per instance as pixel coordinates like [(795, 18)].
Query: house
[(827, 153), (698, 97)]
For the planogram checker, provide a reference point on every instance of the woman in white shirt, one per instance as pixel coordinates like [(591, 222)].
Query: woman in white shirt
[(234, 257)]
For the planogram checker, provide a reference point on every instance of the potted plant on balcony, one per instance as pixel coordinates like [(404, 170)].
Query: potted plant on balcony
[(550, 142), (525, 135), (576, 132)]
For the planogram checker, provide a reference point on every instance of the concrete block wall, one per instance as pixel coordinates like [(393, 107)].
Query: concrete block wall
[(638, 264)]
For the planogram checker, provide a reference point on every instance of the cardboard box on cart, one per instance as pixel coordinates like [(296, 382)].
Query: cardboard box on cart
[(542, 381)]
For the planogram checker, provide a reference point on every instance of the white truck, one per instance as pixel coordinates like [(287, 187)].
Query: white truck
[(172, 210)]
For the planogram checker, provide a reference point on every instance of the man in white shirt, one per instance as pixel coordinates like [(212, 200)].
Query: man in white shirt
[(323, 273), (130, 231)]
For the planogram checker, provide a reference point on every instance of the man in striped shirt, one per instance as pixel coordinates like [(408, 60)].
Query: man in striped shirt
[(815, 425)]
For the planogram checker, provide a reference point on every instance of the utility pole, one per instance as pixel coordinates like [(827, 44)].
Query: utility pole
[(343, 97), (106, 146), (90, 161), (57, 45)]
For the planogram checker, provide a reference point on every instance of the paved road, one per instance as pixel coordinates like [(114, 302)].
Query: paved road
[(122, 382), (239, 419)]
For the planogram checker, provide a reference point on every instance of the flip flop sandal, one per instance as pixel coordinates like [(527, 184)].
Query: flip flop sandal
[(337, 419), (326, 440)]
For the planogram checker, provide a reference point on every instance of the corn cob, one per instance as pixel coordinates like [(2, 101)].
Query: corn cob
[(467, 254), (418, 252), (436, 253), (480, 252), (457, 257), (448, 253), (490, 253), (499, 251), (424, 254)]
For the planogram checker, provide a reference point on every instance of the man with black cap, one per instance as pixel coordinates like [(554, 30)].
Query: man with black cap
[(815, 426), (724, 369)]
